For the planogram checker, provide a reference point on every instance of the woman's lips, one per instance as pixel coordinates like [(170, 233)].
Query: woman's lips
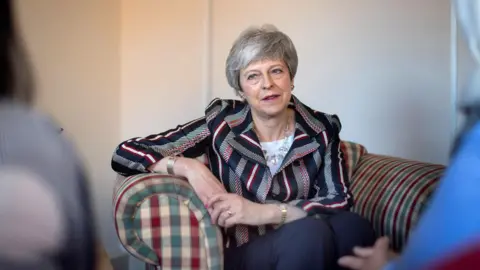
[(270, 98)]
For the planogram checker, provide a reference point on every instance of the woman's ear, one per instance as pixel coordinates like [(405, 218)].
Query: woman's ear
[(241, 94)]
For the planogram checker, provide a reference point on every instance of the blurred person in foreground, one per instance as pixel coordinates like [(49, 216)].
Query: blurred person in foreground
[(448, 233), (46, 221)]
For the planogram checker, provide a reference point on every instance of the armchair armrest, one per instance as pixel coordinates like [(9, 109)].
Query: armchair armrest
[(160, 220)]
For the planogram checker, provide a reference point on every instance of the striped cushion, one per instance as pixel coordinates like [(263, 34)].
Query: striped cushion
[(161, 221), (392, 193), (352, 152)]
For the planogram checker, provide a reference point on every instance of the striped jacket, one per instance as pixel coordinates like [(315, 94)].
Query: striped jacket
[(312, 176)]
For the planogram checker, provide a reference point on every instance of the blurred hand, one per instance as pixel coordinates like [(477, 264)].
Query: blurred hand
[(371, 258)]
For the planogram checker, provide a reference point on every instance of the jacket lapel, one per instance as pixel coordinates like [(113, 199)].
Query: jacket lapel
[(248, 145), (307, 127), (245, 141), (302, 145)]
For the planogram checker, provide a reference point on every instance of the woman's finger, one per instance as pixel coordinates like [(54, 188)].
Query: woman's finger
[(352, 262), (231, 221), (214, 214), (218, 209), (216, 198), (223, 217)]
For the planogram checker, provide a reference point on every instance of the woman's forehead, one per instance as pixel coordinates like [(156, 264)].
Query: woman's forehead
[(264, 64)]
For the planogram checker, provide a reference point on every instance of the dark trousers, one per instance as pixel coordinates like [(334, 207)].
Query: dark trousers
[(304, 244)]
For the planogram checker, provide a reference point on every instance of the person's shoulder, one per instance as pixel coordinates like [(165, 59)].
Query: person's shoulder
[(26, 117), (223, 107), (328, 121), (20, 123)]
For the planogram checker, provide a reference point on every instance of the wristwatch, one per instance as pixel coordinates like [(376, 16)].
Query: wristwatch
[(170, 162)]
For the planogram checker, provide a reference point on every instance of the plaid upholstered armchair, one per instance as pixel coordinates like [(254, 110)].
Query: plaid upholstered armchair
[(161, 221)]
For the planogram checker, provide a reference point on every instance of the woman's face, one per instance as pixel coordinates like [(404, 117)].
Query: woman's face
[(267, 86)]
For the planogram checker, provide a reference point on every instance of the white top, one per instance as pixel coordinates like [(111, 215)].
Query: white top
[(275, 152)]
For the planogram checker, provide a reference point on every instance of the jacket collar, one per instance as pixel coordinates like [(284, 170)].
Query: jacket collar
[(241, 122), (245, 141)]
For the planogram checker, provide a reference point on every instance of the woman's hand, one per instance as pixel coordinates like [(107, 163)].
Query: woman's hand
[(198, 175), (203, 182), (371, 258), (229, 209)]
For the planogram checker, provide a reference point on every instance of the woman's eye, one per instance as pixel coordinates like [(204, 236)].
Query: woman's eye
[(251, 76), (277, 71)]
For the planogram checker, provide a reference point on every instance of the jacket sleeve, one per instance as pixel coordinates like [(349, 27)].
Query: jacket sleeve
[(331, 184), (135, 155)]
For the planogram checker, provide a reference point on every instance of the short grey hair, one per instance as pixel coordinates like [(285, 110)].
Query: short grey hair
[(257, 43)]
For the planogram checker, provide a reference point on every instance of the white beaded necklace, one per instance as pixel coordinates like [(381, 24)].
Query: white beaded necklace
[(274, 158)]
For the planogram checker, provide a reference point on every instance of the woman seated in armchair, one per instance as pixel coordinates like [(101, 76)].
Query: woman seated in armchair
[(276, 180)]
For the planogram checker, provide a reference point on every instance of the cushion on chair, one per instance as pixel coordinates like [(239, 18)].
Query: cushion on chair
[(392, 193), (161, 221), (352, 152)]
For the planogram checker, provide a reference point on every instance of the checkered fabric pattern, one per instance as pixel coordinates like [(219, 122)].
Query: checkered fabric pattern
[(392, 193), (161, 221)]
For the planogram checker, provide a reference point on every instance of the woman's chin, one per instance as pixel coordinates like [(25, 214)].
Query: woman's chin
[(271, 108), (272, 111)]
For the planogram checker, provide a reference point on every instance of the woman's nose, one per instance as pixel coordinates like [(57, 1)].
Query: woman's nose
[(267, 81)]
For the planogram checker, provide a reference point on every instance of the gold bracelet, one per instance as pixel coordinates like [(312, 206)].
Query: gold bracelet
[(283, 208), (170, 162)]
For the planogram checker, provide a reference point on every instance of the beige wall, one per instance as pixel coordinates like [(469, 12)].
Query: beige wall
[(162, 48), (74, 47)]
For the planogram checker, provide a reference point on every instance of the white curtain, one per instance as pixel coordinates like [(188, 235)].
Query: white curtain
[(468, 18), (467, 13)]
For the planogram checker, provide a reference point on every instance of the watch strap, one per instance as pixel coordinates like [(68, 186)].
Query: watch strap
[(283, 209), (170, 163)]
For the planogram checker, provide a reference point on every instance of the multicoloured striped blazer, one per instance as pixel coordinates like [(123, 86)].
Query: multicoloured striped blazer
[(312, 176)]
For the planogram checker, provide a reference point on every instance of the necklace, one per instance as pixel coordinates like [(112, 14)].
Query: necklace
[(273, 155)]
